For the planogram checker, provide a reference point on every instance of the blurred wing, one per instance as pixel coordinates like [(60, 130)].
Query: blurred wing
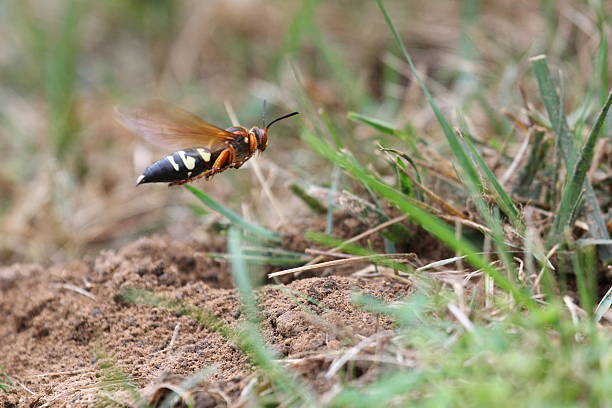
[(170, 127)]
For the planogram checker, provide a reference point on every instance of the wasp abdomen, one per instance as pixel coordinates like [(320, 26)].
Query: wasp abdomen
[(180, 165)]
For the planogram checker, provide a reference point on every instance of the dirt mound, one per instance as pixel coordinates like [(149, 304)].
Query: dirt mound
[(60, 325)]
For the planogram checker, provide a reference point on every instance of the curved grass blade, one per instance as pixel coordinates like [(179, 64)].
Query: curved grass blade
[(603, 305), (574, 188), (501, 197), (429, 222), (377, 124), (462, 158), (232, 216), (568, 153), (293, 392), (553, 108)]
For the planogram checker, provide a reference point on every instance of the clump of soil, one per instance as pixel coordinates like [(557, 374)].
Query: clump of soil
[(60, 324)]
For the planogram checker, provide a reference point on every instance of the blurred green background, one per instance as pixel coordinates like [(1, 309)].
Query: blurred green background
[(67, 171)]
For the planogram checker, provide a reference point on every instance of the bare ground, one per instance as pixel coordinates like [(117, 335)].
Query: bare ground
[(60, 323)]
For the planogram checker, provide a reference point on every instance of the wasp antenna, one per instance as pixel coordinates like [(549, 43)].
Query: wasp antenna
[(263, 113), (281, 118)]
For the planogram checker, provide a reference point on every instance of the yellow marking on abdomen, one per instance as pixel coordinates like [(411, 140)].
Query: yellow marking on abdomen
[(205, 154), (188, 161), (173, 163)]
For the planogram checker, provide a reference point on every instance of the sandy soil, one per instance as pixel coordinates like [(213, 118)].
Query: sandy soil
[(59, 325)]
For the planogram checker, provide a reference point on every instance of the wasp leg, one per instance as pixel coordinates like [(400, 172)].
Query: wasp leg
[(225, 158), (233, 155)]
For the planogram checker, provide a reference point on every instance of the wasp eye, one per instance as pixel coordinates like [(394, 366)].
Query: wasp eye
[(262, 139)]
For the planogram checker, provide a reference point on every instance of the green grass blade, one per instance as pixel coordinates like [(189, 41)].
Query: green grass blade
[(569, 154), (293, 391), (345, 77), (553, 108), (402, 170), (429, 222), (455, 144), (584, 262), (244, 339), (5, 381), (315, 205), (596, 222), (240, 274), (501, 197), (300, 26), (573, 189), (604, 305), (465, 164), (467, 81), (377, 124), (60, 79), (602, 63), (232, 216), (335, 181), (504, 202), (526, 184)]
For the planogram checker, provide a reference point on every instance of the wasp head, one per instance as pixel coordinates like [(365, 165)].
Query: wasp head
[(262, 133)]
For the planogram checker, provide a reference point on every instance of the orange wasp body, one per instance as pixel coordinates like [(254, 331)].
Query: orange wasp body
[(205, 149)]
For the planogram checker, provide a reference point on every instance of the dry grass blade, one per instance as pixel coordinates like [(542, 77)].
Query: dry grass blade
[(360, 236), (338, 262)]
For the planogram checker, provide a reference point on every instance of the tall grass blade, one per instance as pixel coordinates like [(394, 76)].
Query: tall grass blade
[(293, 392), (335, 181), (569, 154), (602, 63), (346, 78), (604, 305), (501, 197), (585, 270), (455, 144), (300, 26), (314, 204), (244, 339), (572, 191), (467, 82), (377, 124), (552, 103), (60, 79), (468, 170), (526, 184), (232, 216), (436, 227), (240, 274)]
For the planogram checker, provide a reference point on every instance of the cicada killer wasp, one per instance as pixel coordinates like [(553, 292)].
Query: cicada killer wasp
[(201, 149)]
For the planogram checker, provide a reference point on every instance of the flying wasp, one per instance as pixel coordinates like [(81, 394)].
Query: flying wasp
[(202, 149)]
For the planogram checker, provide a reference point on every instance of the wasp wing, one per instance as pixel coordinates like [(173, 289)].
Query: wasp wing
[(170, 127)]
